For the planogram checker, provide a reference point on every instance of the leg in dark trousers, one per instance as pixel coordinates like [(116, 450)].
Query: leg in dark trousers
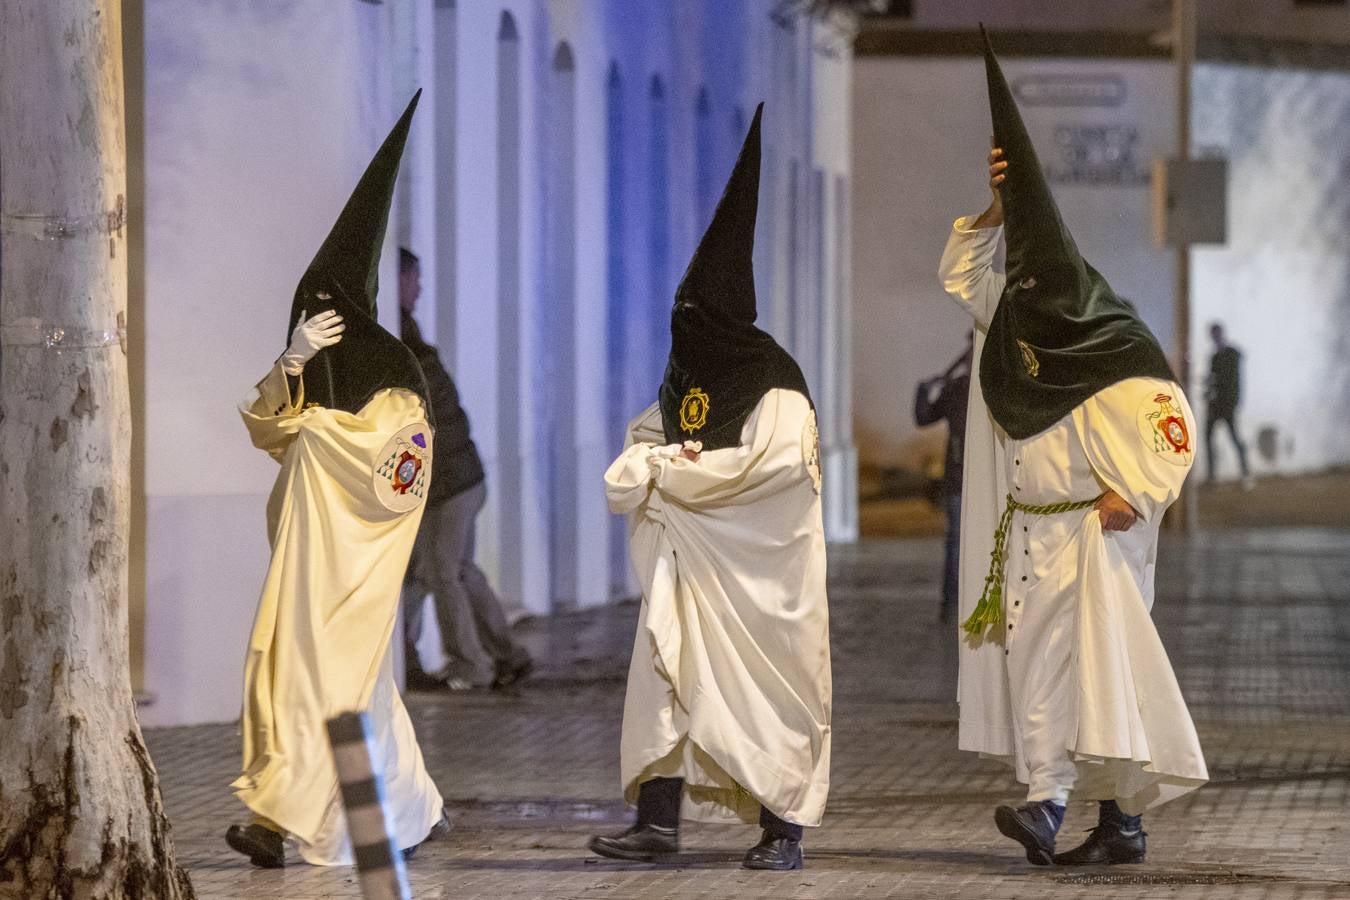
[(659, 802), (1227, 417), (511, 661), (449, 558), (951, 563), (1231, 421)]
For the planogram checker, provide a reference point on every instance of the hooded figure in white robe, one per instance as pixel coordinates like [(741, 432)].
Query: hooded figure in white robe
[(344, 413), (1078, 439), (727, 714)]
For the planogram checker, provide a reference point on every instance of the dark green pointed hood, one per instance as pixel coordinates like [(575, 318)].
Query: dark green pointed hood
[(720, 363), (344, 275), (1060, 333)]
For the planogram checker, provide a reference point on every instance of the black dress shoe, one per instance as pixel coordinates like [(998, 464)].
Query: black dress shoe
[(1107, 845), (774, 852), (641, 842), (1032, 826), (508, 673), (418, 680), (262, 846)]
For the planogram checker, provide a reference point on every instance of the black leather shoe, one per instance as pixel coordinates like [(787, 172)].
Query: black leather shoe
[(774, 852), (641, 842), (508, 673), (1032, 826), (262, 846), (1106, 845), (418, 680)]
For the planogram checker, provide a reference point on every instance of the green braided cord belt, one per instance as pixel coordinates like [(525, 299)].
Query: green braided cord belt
[(989, 611)]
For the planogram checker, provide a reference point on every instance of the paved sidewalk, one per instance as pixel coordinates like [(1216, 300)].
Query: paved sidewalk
[(1258, 626)]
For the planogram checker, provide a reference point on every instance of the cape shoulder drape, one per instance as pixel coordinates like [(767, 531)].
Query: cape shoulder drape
[(1134, 737), (340, 545), (729, 685)]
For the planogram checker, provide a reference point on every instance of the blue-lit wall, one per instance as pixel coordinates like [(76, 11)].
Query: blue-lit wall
[(564, 161)]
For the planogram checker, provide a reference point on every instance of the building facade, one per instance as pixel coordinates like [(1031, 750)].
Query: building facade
[(565, 159)]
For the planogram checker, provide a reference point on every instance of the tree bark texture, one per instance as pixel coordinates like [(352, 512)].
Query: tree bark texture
[(80, 809)]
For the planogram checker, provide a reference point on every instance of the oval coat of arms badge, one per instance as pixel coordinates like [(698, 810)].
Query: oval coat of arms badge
[(1163, 426), (403, 471)]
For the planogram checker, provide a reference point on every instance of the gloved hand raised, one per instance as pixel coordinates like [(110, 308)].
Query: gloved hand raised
[(309, 337)]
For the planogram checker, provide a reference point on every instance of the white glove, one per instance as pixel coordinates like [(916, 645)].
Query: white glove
[(309, 337)]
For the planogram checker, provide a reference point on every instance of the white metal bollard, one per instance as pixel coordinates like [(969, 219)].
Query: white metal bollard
[(378, 862)]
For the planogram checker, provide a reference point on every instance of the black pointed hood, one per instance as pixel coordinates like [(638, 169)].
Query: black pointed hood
[(344, 275), (720, 363), (1060, 333)]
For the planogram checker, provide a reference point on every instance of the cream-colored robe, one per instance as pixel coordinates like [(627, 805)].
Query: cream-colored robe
[(1078, 661), (729, 685), (341, 536)]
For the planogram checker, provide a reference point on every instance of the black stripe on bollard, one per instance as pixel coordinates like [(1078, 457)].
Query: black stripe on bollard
[(360, 794), (348, 728), (373, 857)]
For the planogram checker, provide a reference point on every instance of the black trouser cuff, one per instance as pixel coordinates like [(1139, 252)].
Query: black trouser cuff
[(1110, 813), (779, 827), (659, 802)]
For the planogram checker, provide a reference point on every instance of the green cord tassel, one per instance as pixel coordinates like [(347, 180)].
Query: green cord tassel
[(989, 611)]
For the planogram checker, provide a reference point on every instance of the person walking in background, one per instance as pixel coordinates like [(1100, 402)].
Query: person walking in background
[(1223, 393), (473, 626), (949, 403)]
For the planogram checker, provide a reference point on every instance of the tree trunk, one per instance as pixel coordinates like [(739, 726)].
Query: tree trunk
[(80, 809)]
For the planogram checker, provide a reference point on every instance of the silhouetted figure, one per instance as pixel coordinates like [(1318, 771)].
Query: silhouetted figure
[(1223, 393), (949, 403)]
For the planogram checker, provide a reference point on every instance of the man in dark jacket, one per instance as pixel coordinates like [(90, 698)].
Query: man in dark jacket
[(473, 627)]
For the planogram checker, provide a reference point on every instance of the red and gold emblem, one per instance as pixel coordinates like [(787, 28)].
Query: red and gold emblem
[(405, 472), (1162, 422)]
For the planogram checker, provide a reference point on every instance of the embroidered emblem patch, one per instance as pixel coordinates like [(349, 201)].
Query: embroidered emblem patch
[(403, 472), (1029, 360), (811, 451), (1163, 426), (694, 410)]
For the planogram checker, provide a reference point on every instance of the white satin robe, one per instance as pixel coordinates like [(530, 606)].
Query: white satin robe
[(1076, 692), (729, 685), (321, 635)]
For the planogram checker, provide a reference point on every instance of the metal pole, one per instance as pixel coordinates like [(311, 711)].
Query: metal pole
[(1183, 52)]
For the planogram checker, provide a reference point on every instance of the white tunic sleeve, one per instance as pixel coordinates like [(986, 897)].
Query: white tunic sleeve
[(967, 270), (1139, 436)]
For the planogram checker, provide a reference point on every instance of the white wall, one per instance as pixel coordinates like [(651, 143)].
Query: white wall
[(1282, 283), (921, 134), (259, 119)]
